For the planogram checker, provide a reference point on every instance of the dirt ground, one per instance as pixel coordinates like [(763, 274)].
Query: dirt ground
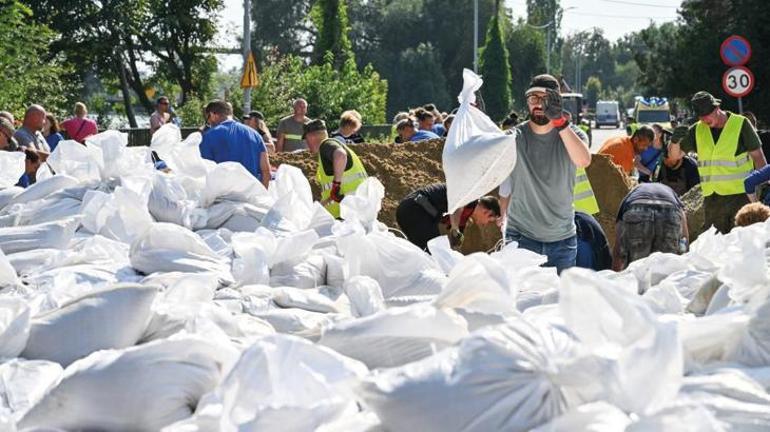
[(403, 168)]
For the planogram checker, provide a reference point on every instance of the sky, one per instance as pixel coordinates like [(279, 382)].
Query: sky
[(615, 17)]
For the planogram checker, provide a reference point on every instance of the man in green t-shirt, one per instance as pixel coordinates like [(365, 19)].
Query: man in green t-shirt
[(728, 150), (290, 129)]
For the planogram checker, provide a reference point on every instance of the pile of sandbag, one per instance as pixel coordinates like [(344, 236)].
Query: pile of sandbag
[(198, 300)]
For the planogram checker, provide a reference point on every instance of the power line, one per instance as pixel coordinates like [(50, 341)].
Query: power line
[(624, 16), (641, 4)]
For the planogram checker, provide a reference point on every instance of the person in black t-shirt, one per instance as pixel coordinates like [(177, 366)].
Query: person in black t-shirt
[(678, 173), (421, 214)]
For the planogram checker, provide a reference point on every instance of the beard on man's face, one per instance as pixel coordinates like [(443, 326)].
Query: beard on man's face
[(538, 117)]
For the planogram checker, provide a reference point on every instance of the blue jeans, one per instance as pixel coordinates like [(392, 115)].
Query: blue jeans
[(561, 254)]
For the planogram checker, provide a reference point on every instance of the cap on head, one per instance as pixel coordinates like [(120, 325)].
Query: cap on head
[(7, 126), (313, 126), (542, 83), (254, 114), (703, 103)]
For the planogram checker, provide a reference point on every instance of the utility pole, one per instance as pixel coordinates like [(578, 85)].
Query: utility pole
[(476, 36), (246, 51)]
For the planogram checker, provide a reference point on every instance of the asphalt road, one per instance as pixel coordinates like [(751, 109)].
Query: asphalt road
[(600, 135)]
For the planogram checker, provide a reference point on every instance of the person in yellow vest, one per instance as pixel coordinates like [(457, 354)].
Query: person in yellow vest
[(728, 150), (339, 172), (583, 195)]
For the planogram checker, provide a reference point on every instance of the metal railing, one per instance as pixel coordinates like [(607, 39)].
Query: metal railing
[(142, 136)]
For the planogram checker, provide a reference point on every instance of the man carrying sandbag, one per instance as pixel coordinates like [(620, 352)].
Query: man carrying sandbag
[(422, 215), (339, 169), (537, 196)]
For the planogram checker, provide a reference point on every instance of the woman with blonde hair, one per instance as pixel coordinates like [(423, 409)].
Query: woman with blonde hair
[(350, 124)]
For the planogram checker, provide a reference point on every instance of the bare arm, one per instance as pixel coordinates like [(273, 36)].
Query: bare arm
[(264, 166), (339, 162), (454, 218), (759, 158), (576, 148), (279, 143)]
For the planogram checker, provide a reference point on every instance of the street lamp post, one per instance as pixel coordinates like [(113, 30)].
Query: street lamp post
[(476, 36), (246, 51)]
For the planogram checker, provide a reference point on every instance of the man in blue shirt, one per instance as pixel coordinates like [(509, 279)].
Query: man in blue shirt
[(408, 132), (230, 141)]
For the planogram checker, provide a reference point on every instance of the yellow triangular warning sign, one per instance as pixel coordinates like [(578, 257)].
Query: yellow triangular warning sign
[(250, 78)]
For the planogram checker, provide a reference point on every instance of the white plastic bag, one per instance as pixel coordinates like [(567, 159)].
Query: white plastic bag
[(55, 235), (23, 383), (592, 417), (7, 272), (280, 383), (141, 388), (44, 188), (396, 336), (11, 168), (477, 155), (365, 296), (114, 318), (83, 162), (14, 326), (231, 181)]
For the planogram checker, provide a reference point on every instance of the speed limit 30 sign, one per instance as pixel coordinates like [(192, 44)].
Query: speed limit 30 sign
[(738, 81)]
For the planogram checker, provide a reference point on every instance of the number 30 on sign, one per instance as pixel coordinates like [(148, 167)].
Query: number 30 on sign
[(738, 81)]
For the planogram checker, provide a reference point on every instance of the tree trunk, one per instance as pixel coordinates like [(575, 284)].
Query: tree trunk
[(126, 94), (136, 80)]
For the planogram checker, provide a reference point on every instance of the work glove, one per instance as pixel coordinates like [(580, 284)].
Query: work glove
[(552, 107), (679, 133), (455, 238), (335, 194)]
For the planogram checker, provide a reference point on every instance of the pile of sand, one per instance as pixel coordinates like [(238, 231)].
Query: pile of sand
[(693, 207), (610, 185)]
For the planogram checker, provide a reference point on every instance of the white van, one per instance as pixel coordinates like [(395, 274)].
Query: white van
[(607, 114)]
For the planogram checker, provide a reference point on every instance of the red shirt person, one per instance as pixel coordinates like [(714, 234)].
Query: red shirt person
[(79, 127)]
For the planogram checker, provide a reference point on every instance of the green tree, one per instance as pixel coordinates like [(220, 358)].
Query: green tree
[(548, 13), (32, 74), (585, 54), (417, 80), (592, 91), (495, 68), (281, 28), (526, 47), (331, 19)]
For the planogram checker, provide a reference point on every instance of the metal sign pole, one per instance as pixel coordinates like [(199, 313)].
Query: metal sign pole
[(246, 51), (740, 105)]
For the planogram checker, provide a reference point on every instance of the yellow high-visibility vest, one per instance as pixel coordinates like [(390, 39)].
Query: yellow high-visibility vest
[(351, 178), (583, 195), (721, 171)]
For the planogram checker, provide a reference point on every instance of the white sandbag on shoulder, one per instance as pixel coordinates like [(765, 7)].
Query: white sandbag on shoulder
[(510, 377), (11, 168), (280, 383), (477, 155), (142, 388), (55, 235), (396, 336), (14, 326), (23, 383), (166, 247), (115, 318), (44, 188)]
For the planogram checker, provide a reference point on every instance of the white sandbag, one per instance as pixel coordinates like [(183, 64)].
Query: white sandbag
[(293, 198), (478, 284), (253, 252), (246, 217), (50, 209), (697, 287), (652, 270), (510, 377), (168, 203), (365, 296), (7, 272), (280, 383), (293, 321), (119, 160), (183, 157), (115, 318), (142, 388), (55, 235), (23, 383), (308, 299), (121, 215), (83, 162), (754, 347), (8, 193), (14, 326), (44, 188), (11, 168), (690, 417), (593, 417), (720, 300), (396, 336), (443, 254), (231, 181), (477, 155), (620, 325), (307, 272), (166, 247), (746, 271), (709, 338), (365, 203)]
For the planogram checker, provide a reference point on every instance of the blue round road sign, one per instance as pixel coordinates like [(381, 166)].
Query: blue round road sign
[(735, 51)]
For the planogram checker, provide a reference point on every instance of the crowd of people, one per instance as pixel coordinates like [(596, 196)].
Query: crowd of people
[(546, 204)]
